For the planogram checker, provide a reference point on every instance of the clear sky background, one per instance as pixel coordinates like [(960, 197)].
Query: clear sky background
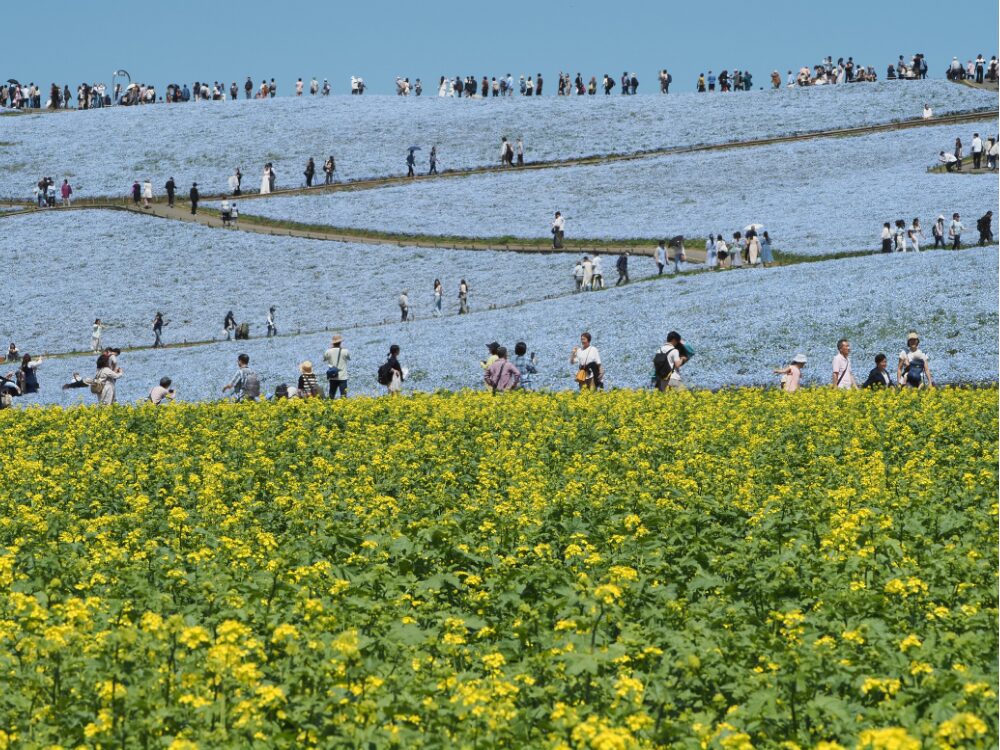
[(70, 41)]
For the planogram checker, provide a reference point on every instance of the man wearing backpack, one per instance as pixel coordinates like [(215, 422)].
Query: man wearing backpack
[(667, 363), (245, 385), (913, 366), (622, 266)]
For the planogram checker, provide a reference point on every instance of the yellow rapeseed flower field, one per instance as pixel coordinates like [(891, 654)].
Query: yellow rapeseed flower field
[(605, 571)]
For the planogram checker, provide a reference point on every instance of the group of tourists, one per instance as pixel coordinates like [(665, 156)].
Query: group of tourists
[(953, 160), (913, 369), (46, 195), (738, 80), (751, 247), (900, 238), (500, 371), (29, 96), (977, 70)]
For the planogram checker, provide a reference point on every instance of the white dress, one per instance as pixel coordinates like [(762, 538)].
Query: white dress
[(265, 184)]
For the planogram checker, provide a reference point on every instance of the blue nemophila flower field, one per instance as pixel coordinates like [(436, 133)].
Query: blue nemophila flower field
[(102, 151)]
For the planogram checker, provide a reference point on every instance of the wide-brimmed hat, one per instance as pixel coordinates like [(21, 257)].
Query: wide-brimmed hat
[(799, 359), (912, 335), (306, 367), (337, 338)]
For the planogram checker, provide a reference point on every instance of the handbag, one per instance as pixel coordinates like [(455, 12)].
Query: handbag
[(581, 375)]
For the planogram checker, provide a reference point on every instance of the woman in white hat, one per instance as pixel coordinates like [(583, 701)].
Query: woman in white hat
[(791, 376)]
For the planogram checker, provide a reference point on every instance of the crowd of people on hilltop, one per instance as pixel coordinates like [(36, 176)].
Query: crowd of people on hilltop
[(848, 71), (977, 70), (501, 373), (19, 96)]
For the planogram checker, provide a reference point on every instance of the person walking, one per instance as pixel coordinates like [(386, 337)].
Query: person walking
[(245, 384), (502, 376), (158, 324), (265, 180), (588, 274), (95, 336), (520, 152), (984, 225), (958, 154), (410, 162), (667, 363), (977, 151), (598, 264), (621, 265), (66, 192), (329, 167), (404, 306), (337, 359), (171, 188), (660, 256), (105, 383), (272, 328), (791, 376), (878, 377), (913, 368), (136, 193), (886, 237), (310, 172), (438, 297), (433, 160), (955, 232), (589, 374), (558, 231), (766, 252), (842, 375), (463, 298), (147, 193), (578, 276), (938, 232), (525, 365), (193, 196), (229, 325), (915, 234), (391, 374)]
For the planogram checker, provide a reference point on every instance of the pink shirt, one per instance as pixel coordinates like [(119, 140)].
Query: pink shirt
[(792, 379), (502, 375)]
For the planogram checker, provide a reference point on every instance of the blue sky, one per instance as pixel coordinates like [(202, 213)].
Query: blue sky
[(187, 40)]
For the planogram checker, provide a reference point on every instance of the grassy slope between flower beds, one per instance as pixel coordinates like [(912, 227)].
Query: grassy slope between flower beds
[(625, 570)]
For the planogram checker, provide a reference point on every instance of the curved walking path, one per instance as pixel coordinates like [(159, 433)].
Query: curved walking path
[(388, 180), (644, 246), (782, 259)]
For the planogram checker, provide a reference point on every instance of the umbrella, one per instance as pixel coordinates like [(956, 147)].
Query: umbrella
[(758, 228), (11, 80), (132, 86), (414, 148)]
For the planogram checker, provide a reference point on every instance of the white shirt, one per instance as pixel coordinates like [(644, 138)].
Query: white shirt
[(977, 145), (597, 266), (661, 255), (842, 371), (674, 358), (588, 356), (559, 223)]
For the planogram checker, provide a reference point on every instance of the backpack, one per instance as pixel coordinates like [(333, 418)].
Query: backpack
[(661, 364), (251, 386), (914, 372), (384, 374)]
